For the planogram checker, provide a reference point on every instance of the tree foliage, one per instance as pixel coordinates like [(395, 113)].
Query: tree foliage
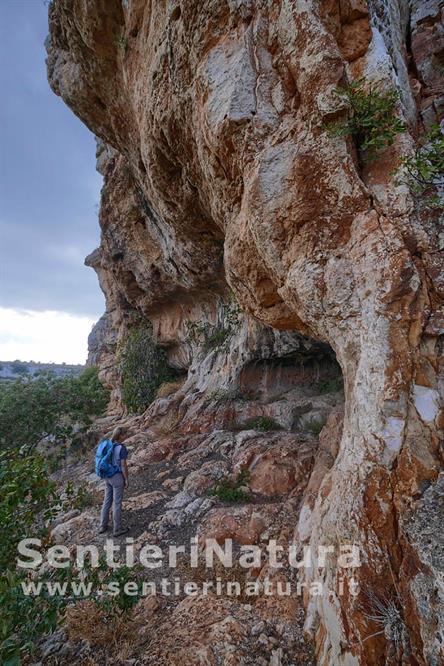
[(31, 409), (28, 500)]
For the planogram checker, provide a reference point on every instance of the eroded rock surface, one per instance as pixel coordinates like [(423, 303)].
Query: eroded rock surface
[(219, 173)]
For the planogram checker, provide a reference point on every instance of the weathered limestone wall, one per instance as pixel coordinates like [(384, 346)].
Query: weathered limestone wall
[(219, 173)]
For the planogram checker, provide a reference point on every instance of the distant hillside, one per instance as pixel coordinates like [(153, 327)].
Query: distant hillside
[(16, 369)]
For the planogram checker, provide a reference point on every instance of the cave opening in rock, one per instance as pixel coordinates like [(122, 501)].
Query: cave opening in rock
[(312, 372)]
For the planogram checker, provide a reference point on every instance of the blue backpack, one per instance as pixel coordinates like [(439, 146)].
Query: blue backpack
[(104, 456)]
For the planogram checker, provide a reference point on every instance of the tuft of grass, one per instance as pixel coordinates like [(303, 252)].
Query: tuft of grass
[(230, 490), (387, 616), (122, 42), (168, 388), (223, 396), (314, 427), (372, 118)]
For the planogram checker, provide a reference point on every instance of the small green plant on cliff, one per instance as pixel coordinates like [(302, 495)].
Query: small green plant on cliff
[(372, 117), (144, 368), (122, 42), (216, 337), (425, 168), (231, 490), (314, 427)]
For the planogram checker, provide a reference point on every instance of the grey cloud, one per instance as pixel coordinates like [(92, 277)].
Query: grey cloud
[(49, 189)]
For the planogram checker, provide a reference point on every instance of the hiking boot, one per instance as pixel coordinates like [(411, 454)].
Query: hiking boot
[(121, 532), (103, 530)]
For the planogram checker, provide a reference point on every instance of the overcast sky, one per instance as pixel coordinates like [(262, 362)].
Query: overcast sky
[(49, 191)]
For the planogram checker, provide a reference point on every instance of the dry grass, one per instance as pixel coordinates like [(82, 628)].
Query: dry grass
[(168, 388), (85, 620), (120, 633)]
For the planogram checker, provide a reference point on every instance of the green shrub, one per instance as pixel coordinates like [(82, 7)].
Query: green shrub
[(78, 497), (230, 490), (144, 368), (372, 118), (425, 168), (24, 619), (218, 339), (31, 409), (26, 493), (28, 499)]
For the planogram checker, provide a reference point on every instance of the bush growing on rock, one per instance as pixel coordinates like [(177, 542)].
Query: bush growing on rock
[(28, 500), (372, 118), (144, 368), (231, 490), (425, 168)]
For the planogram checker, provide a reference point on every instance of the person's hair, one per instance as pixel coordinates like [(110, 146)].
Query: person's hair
[(118, 433)]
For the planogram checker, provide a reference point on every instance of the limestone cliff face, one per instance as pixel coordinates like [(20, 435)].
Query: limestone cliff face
[(219, 174)]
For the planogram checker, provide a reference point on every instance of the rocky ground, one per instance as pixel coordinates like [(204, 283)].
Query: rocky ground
[(172, 471)]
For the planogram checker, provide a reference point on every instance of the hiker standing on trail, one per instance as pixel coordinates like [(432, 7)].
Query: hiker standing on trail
[(111, 465)]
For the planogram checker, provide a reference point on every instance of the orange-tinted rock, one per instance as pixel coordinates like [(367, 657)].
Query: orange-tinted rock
[(219, 170), (242, 524), (354, 39), (276, 469)]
